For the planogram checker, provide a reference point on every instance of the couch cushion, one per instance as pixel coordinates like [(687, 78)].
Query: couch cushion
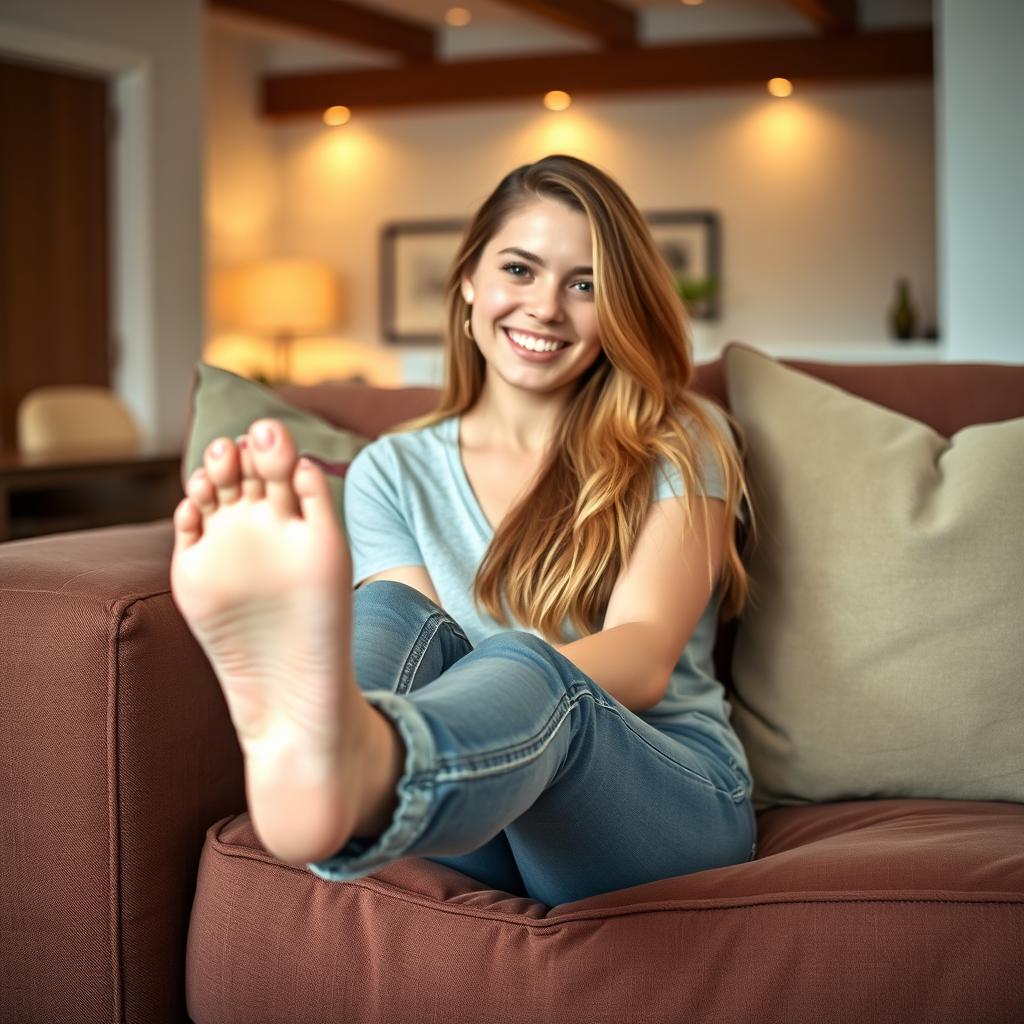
[(882, 655), (918, 900)]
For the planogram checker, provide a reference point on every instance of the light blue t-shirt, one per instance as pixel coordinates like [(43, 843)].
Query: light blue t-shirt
[(408, 501)]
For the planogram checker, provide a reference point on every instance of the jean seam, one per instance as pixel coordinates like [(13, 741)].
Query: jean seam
[(735, 795), (732, 794), (516, 755), (421, 645), (512, 756), (414, 659)]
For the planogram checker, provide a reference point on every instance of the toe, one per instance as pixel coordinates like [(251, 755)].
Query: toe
[(314, 494), (188, 524), (201, 493), (274, 456), (252, 482), (222, 467)]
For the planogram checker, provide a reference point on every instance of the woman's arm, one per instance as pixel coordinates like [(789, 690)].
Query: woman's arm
[(415, 576), (656, 604)]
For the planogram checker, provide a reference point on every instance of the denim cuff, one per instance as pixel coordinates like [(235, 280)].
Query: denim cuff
[(359, 857)]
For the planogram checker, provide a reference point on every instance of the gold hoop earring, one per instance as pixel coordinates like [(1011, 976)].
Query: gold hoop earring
[(467, 329)]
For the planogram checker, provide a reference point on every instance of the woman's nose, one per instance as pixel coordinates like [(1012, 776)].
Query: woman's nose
[(544, 303)]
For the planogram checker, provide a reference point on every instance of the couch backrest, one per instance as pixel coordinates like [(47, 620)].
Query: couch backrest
[(946, 396), (364, 409)]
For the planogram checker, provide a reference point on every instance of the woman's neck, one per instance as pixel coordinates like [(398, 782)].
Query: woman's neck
[(512, 421)]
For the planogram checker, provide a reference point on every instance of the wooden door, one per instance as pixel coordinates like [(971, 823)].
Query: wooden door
[(54, 235)]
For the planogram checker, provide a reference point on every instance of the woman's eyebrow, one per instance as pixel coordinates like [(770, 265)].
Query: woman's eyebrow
[(534, 258)]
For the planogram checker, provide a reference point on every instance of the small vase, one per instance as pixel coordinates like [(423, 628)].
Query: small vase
[(902, 315)]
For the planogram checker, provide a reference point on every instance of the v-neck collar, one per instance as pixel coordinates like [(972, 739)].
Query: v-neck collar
[(458, 469)]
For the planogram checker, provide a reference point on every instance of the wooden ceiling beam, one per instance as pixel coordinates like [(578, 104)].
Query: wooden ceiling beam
[(831, 16), (869, 56), (611, 23), (340, 20)]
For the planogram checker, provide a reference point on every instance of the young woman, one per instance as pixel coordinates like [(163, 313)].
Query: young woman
[(521, 685)]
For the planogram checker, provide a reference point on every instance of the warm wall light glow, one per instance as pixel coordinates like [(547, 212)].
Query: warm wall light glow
[(564, 134), (692, 3), (780, 87), (316, 164), (335, 116), (293, 296), (314, 359), (557, 100), (783, 136), (458, 17)]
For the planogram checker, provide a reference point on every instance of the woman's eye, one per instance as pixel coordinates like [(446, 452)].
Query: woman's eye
[(516, 269), (587, 287)]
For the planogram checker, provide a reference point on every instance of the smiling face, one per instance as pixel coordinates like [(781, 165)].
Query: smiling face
[(534, 318)]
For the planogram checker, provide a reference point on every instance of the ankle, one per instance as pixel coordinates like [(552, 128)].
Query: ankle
[(383, 761)]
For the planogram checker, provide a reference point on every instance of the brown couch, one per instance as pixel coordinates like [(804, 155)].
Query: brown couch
[(133, 888)]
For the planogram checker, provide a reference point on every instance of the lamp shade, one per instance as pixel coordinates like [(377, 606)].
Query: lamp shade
[(286, 297)]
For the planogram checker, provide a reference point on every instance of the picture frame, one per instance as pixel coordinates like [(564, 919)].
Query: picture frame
[(690, 242), (416, 255)]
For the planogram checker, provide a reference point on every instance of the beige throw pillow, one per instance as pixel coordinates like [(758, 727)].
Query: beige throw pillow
[(884, 656)]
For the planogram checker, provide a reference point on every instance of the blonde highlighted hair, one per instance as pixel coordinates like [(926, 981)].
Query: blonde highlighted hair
[(560, 549)]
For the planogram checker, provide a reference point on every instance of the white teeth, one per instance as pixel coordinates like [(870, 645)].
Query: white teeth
[(534, 344)]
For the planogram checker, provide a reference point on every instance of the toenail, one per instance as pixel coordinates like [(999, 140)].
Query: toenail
[(218, 448), (263, 435)]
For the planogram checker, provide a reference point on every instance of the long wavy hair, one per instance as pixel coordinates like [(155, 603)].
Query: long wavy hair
[(560, 549)]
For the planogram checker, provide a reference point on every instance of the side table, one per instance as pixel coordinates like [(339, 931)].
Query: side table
[(80, 491)]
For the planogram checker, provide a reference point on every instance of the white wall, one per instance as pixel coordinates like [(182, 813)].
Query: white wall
[(242, 170), (981, 168), (152, 52)]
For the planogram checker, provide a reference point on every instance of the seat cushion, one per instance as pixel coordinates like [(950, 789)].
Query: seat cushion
[(865, 910)]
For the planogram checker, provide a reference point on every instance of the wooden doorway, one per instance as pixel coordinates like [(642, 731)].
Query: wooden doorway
[(55, 317)]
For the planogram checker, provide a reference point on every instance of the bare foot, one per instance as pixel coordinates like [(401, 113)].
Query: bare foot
[(262, 574)]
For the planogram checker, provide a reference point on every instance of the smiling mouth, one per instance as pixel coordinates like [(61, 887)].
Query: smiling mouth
[(534, 342)]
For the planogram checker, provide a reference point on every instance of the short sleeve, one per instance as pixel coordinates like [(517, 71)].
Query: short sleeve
[(378, 531), (668, 483)]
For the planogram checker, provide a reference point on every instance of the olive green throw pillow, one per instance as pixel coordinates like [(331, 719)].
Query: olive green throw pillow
[(884, 654), (224, 405)]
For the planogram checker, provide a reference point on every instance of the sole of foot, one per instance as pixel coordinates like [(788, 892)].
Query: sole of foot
[(262, 574)]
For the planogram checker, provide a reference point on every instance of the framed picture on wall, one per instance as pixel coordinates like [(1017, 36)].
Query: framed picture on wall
[(415, 257), (691, 243)]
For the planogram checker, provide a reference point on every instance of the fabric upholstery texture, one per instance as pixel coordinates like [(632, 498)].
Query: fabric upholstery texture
[(862, 899)]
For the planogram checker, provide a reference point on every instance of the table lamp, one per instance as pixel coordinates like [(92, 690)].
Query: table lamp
[(285, 299)]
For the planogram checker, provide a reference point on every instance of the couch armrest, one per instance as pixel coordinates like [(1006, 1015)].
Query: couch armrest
[(116, 754)]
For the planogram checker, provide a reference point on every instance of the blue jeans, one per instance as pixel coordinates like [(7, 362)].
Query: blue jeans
[(523, 773)]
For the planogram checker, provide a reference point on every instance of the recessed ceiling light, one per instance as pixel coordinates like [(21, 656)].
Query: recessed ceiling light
[(557, 100), (338, 115), (458, 17), (780, 87)]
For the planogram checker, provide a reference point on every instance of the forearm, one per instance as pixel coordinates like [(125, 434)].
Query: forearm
[(627, 661)]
